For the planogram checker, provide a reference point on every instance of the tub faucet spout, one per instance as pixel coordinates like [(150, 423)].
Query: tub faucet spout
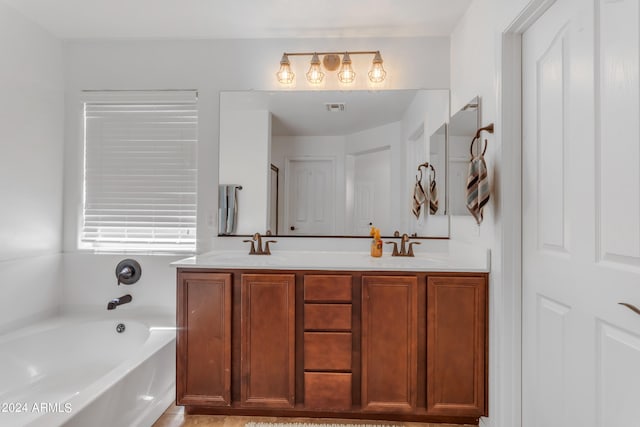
[(119, 301)]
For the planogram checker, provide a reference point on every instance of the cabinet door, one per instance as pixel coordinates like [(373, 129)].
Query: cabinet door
[(268, 334), (456, 346), (204, 339), (389, 343)]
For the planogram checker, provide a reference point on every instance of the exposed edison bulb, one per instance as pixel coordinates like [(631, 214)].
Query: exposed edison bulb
[(315, 74), (346, 73), (285, 75), (377, 73)]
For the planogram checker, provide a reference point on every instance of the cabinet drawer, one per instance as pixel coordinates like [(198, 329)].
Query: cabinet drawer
[(327, 390), (335, 317), (327, 351), (327, 288)]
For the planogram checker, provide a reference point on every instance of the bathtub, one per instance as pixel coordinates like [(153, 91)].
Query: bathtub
[(77, 370)]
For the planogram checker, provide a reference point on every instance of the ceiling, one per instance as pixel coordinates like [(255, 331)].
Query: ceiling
[(188, 19), (304, 113)]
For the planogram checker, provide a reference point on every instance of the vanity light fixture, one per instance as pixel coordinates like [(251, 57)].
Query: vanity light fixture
[(285, 75), (331, 61), (315, 74), (346, 73), (377, 73)]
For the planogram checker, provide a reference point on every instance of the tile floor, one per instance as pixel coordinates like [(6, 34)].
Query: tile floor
[(174, 416)]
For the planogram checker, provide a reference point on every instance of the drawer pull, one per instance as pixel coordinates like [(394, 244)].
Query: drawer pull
[(631, 307)]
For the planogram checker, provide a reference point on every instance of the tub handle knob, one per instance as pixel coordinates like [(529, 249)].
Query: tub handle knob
[(128, 272)]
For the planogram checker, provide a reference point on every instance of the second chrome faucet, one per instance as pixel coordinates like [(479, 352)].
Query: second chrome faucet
[(404, 250), (256, 245)]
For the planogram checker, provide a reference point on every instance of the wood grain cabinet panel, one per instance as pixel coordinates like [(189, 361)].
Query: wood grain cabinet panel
[(268, 340), (204, 340), (389, 343), (456, 346)]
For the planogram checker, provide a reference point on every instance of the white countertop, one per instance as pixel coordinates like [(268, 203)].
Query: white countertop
[(454, 260)]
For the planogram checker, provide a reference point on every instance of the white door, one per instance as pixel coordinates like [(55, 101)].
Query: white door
[(310, 197), (363, 215), (581, 216), (371, 192)]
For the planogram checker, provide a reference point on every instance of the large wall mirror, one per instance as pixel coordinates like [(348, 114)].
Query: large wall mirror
[(333, 163)]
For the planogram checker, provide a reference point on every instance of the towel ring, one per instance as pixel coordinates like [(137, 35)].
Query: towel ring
[(487, 128), (484, 150), (426, 165)]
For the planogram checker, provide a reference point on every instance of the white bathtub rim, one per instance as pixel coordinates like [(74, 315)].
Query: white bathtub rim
[(162, 334), (155, 319)]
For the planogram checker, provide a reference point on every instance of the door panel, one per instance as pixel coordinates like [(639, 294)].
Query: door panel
[(456, 336), (618, 150), (389, 337), (581, 214), (310, 201), (204, 344), (268, 347)]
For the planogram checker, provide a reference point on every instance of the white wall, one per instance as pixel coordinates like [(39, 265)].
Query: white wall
[(210, 66), (31, 137), (245, 143), (476, 56)]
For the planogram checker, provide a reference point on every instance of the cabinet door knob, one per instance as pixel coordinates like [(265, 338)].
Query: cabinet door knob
[(292, 228), (631, 307)]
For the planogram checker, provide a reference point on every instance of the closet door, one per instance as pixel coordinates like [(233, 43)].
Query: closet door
[(581, 215)]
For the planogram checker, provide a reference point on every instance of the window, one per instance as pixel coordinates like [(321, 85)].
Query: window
[(140, 171)]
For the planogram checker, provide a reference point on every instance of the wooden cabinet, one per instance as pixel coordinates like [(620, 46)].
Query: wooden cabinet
[(389, 343), (351, 344), (456, 345), (268, 340), (204, 339)]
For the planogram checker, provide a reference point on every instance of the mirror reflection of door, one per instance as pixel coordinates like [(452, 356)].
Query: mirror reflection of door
[(273, 199), (371, 189), (310, 197)]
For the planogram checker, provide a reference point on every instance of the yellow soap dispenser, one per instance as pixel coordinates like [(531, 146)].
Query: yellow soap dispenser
[(376, 243)]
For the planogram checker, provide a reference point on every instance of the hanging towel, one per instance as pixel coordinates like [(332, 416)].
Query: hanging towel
[(419, 197), (227, 208), (477, 185), (433, 192), (433, 198)]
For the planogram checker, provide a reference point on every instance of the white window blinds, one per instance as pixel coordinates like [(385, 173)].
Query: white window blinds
[(140, 171)]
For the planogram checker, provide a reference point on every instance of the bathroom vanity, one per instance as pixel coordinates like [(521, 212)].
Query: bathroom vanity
[(286, 335)]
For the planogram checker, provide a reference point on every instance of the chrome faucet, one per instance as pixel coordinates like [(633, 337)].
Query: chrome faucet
[(125, 299), (257, 238), (404, 239)]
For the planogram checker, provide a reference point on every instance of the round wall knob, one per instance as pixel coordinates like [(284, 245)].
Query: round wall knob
[(128, 271)]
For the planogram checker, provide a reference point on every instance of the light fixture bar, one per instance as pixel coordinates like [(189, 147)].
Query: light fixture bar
[(346, 74), (361, 52)]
